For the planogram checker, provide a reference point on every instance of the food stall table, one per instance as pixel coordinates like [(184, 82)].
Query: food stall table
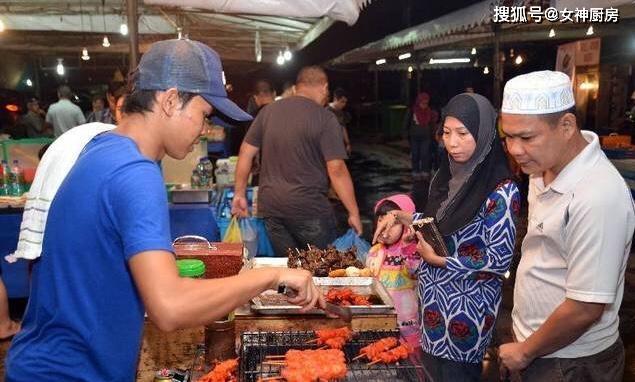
[(176, 350)]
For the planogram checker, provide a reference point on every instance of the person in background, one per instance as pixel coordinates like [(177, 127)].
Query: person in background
[(337, 107), (115, 95), (33, 120), (302, 150), (570, 280), (107, 257), (288, 89), (99, 113), (63, 115), (263, 95), (8, 327), (394, 262), (475, 204), (421, 122)]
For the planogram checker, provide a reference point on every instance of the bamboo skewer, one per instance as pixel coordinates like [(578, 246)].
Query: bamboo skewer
[(359, 356), (275, 363), (312, 341), (275, 356), (272, 378), (374, 362)]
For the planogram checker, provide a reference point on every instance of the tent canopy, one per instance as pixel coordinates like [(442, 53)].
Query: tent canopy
[(230, 27)]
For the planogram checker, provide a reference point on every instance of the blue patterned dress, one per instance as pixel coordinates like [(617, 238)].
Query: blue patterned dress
[(459, 303)]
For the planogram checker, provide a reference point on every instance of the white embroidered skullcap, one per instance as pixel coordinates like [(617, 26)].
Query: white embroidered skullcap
[(540, 92)]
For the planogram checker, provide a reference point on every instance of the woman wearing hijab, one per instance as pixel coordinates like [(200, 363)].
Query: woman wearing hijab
[(474, 203), (421, 124)]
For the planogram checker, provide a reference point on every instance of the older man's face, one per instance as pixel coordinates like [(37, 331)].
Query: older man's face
[(534, 144)]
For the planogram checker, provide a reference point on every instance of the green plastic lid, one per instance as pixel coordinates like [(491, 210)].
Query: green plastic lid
[(190, 267)]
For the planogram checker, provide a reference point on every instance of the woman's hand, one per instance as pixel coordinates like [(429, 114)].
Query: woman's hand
[(427, 253)]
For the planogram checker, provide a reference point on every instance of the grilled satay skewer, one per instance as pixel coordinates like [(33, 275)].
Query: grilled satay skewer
[(377, 347)]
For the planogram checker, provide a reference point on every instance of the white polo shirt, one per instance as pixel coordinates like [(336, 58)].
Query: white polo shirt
[(578, 239)]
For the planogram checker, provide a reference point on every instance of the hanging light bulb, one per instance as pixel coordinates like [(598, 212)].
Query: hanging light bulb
[(410, 69), (106, 42), (280, 58), (589, 32), (60, 67), (519, 60), (1, 26), (511, 53), (85, 55), (123, 29), (179, 33), (258, 47), (552, 33), (28, 82), (473, 51), (287, 54), (486, 70)]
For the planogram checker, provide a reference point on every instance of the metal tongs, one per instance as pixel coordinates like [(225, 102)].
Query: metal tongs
[(342, 312)]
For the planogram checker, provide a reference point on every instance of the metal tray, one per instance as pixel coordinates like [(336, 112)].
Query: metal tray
[(272, 303)]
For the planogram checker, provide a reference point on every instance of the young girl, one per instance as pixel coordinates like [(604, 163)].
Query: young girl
[(475, 204), (394, 261)]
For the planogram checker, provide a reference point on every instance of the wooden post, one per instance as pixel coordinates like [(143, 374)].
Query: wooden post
[(133, 33), (498, 68), (376, 91)]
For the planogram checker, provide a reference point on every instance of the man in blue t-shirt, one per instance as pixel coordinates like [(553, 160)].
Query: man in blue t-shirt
[(107, 255)]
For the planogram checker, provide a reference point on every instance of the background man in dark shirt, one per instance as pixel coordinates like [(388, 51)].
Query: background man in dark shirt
[(302, 150), (337, 107)]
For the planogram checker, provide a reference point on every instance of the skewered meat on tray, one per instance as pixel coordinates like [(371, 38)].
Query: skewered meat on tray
[(321, 262), (345, 297), (314, 365), (223, 372)]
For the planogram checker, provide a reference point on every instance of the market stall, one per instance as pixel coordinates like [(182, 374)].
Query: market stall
[(266, 334)]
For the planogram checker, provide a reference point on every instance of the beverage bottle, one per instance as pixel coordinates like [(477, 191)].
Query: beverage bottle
[(200, 170), (17, 179), (5, 184), (226, 211), (208, 167)]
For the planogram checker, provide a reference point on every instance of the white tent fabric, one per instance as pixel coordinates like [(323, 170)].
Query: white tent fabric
[(342, 10)]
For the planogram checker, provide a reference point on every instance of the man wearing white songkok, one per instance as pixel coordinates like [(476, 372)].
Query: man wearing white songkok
[(570, 280)]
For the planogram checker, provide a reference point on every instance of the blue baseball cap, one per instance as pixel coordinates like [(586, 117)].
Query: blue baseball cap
[(189, 66)]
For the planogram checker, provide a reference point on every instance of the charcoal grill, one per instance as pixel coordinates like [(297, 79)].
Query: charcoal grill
[(255, 346)]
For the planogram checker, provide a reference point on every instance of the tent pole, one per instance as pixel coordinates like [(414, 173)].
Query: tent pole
[(133, 32)]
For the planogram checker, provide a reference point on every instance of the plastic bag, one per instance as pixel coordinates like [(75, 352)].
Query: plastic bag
[(232, 235), (249, 235), (349, 239)]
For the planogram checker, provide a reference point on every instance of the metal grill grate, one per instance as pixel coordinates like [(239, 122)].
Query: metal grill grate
[(255, 346)]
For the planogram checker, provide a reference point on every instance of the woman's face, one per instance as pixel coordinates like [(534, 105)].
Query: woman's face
[(458, 140), (391, 236)]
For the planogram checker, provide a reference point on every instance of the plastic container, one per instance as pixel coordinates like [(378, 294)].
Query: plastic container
[(191, 268), (221, 259)]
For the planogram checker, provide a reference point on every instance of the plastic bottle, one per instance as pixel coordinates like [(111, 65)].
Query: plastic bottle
[(226, 211), (17, 179), (208, 167), (201, 171), (5, 185)]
